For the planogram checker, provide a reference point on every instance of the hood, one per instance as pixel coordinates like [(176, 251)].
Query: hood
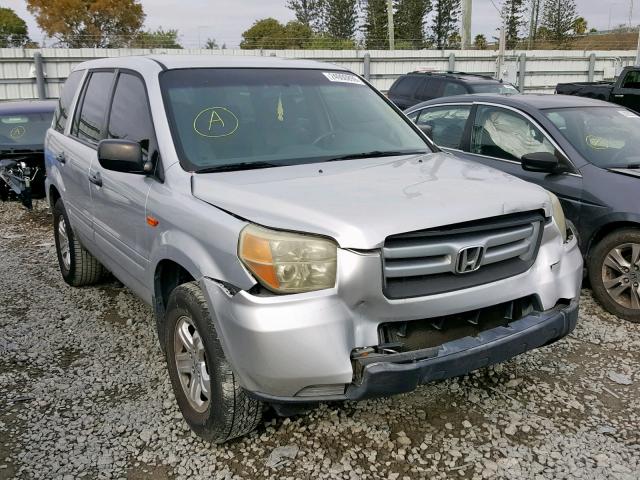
[(631, 172), (361, 202)]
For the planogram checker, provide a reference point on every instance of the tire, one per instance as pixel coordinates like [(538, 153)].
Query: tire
[(77, 265), (223, 410), (617, 290)]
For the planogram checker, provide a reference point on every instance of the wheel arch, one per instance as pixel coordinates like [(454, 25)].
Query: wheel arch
[(612, 225)]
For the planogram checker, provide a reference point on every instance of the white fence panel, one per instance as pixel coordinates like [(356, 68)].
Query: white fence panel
[(543, 69)]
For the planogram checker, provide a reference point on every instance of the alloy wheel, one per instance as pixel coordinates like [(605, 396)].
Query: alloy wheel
[(191, 363), (63, 243), (621, 275)]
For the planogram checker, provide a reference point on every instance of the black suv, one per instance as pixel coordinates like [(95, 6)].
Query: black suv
[(416, 87)]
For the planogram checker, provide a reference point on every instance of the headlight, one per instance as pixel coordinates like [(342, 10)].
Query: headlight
[(288, 262), (558, 215)]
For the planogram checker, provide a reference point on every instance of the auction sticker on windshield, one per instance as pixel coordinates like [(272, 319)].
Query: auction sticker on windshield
[(343, 78)]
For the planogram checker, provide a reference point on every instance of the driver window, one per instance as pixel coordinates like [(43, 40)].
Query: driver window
[(447, 124), (506, 135)]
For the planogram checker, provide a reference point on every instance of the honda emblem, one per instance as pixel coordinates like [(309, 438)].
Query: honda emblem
[(469, 259)]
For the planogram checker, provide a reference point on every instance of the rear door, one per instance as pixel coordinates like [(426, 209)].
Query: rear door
[(87, 129), (119, 199), (627, 92), (501, 136)]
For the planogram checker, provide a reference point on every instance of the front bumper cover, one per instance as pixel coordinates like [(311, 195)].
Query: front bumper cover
[(458, 357)]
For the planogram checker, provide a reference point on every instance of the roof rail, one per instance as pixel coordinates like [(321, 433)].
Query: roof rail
[(453, 73)]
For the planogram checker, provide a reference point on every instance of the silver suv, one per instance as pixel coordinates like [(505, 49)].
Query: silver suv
[(299, 238)]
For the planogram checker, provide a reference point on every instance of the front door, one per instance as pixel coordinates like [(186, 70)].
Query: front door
[(628, 93), (119, 199)]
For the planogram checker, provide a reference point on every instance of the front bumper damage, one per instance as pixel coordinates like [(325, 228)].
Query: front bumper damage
[(303, 348)]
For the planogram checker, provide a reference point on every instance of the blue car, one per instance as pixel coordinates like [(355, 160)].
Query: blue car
[(585, 151)]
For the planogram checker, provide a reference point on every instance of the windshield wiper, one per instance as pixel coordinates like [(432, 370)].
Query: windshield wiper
[(377, 154), (230, 167)]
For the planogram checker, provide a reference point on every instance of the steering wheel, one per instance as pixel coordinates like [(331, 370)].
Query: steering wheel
[(323, 137)]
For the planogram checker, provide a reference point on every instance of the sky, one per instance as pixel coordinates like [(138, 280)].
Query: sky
[(225, 20)]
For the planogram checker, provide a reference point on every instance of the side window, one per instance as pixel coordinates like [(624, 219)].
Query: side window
[(430, 89), (64, 102), (504, 134), (447, 124), (130, 116), (414, 116), (452, 88), (632, 80), (406, 86), (88, 124)]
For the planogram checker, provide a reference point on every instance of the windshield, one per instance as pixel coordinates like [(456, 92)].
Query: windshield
[(24, 131), (605, 136), (274, 117), (499, 88)]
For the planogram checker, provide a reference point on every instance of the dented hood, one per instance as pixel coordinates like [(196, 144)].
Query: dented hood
[(361, 202)]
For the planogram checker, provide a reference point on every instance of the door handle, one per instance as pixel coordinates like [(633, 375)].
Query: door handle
[(618, 95), (60, 157), (95, 178)]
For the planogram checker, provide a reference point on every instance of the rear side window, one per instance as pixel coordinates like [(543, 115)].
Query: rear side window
[(431, 89), (88, 124), (632, 80), (406, 86), (447, 124), (130, 118), (64, 102), (452, 88)]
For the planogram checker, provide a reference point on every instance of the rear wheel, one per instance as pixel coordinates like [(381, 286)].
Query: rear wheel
[(212, 402), (614, 273), (77, 265)]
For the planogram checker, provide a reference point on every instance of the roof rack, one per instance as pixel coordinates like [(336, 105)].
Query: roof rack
[(454, 73)]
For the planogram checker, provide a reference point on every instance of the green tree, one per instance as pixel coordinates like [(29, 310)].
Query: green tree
[(269, 33), (325, 42), (309, 12), (13, 29), (341, 18), (409, 21), (211, 44), (158, 38), (89, 23), (558, 18), (480, 42), (533, 11), (376, 34), (512, 11), (580, 26), (445, 21)]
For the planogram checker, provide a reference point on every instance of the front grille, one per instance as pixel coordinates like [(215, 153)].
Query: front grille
[(428, 262)]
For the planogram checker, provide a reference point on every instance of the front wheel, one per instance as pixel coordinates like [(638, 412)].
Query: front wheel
[(212, 402), (614, 273)]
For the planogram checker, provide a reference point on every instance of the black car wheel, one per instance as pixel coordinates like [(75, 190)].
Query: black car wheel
[(614, 273)]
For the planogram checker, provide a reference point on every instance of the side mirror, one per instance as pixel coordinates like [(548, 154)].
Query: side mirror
[(122, 156), (542, 162), (427, 130)]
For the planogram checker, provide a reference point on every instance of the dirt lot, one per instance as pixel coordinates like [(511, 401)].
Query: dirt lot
[(84, 394)]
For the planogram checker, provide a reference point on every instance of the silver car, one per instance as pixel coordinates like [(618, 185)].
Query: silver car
[(299, 238)]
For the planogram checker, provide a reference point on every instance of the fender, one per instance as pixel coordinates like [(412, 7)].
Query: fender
[(599, 224)]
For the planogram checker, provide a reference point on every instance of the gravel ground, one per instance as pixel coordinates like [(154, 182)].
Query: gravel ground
[(84, 393)]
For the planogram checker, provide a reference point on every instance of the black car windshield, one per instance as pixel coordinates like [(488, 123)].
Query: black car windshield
[(274, 117), (605, 136), (497, 88), (24, 131)]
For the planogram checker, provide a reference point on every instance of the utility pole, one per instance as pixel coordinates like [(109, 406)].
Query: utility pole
[(392, 43), (638, 51), (630, 14), (503, 43), (466, 23)]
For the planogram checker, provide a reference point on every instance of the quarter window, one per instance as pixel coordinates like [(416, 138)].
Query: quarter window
[(507, 135), (447, 124), (130, 118), (64, 102), (89, 120)]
